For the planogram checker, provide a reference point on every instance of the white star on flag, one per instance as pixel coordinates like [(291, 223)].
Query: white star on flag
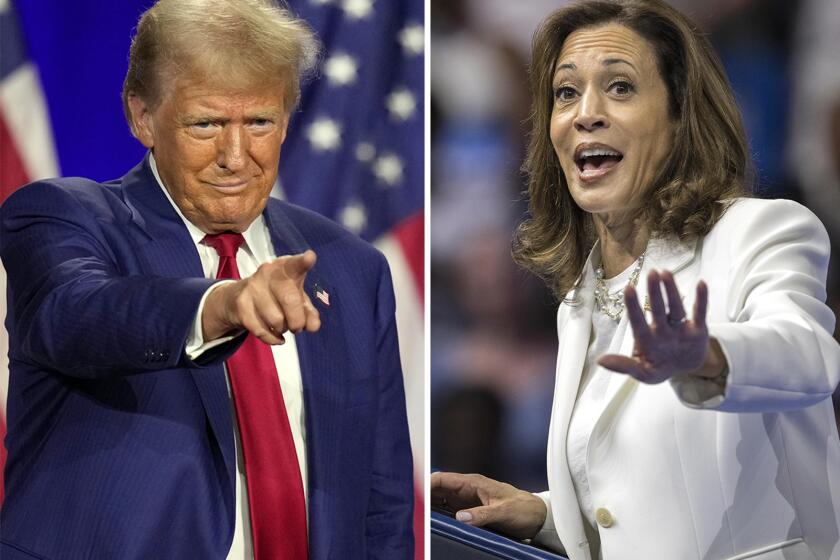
[(401, 104), (389, 169), (324, 134), (365, 151), (354, 217), (357, 9), (413, 39), (340, 69)]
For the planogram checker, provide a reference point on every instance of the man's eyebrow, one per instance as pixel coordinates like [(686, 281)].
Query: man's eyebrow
[(264, 114), (566, 66), (610, 61), (201, 115)]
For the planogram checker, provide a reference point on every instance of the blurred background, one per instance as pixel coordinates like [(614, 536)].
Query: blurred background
[(493, 337)]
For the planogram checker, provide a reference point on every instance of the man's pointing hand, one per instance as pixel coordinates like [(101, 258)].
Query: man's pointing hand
[(266, 304)]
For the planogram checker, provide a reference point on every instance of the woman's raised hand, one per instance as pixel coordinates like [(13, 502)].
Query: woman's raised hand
[(671, 344)]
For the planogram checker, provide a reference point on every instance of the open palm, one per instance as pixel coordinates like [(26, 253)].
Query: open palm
[(671, 344)]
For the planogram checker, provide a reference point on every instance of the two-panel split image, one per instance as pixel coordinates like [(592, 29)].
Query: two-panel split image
[(407, 280)]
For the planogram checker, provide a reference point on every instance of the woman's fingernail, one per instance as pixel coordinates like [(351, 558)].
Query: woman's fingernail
[(463, 516)]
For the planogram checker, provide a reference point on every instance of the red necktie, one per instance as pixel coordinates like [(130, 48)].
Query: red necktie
[(275, 490)]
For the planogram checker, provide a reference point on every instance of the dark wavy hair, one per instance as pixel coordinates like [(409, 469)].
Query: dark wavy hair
[(709, 162)]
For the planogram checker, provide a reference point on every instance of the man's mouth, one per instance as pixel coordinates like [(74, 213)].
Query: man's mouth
[(595, 160), (230, 186)]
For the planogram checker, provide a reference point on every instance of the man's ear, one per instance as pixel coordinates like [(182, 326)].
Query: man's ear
[(142, 124)]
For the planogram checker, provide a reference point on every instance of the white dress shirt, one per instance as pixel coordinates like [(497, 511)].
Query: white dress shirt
[(256, 250)]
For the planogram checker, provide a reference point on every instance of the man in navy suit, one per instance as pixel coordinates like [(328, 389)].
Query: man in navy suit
[(186, 381)]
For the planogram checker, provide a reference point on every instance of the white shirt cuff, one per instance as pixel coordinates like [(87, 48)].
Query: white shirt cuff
[(547, 537), (700, 392), (196, 344)]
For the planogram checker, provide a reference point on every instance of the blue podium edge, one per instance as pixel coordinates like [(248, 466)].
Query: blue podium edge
[(486, 541)]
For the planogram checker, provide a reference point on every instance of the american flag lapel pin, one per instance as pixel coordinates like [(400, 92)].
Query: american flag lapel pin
[(322, 295)]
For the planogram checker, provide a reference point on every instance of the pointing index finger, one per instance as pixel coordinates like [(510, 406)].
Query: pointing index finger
[(296, 266)]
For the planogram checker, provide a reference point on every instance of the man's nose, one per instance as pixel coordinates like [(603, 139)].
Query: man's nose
[(591, 112), (233, 148)]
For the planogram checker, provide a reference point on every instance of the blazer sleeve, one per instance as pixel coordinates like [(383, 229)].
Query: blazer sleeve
[(389, 522), (778, 338), (71, 308)]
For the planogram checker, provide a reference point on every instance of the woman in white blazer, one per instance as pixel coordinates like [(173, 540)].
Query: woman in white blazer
[(692, 415)]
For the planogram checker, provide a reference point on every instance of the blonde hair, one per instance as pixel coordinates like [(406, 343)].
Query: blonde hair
[(234, 42), (709, 161)]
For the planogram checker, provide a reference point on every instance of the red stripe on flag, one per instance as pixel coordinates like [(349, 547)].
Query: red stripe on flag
[(12, 171), (12, 175), (409, 234)]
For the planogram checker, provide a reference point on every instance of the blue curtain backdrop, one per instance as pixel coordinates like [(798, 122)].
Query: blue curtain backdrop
[(81, 52)]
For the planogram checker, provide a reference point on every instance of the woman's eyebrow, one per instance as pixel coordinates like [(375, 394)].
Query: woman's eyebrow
[(610, 61), (605, 62)]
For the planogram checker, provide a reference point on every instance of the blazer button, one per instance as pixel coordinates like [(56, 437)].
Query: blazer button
[(604, 517)]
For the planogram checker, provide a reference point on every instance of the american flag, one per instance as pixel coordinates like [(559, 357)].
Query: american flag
[(26, 152), (354, 151), (355, 154)]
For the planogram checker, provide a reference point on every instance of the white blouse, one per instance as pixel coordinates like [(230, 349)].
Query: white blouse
[(589, 402)]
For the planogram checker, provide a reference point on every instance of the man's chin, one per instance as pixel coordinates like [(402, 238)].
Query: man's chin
[(216, 214), (238, 221)]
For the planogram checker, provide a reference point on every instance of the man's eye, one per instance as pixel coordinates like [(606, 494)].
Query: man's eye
[(564, 93), (262, 122)]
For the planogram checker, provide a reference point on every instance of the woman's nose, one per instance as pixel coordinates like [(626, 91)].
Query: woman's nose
[(591, 114)]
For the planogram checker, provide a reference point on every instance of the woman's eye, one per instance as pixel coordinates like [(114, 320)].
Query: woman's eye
[(622, 87), (564, 93)]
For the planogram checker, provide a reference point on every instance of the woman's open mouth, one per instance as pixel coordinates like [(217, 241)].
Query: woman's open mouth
[(596, 160)]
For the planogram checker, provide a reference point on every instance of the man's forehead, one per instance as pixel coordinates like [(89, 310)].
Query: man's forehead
[(217, 94)]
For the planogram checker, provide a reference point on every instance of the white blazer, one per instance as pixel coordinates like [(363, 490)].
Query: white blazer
[(677, 473)]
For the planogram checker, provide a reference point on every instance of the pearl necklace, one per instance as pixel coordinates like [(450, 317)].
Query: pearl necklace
[(612, 305)]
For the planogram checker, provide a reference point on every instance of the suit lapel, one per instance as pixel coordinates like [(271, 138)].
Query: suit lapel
[(572, 348), (574, 332), (323, 391), (168, 251)]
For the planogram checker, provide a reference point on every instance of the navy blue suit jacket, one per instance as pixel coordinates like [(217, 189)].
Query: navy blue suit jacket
[(119, 445)]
